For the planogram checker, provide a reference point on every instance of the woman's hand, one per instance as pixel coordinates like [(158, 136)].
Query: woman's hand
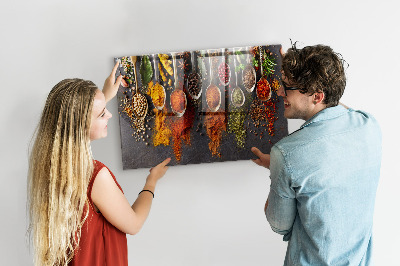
[(263, 159), (111, 86), (157, 172)]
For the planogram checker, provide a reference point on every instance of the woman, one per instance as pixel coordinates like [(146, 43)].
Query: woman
[(78, 212)]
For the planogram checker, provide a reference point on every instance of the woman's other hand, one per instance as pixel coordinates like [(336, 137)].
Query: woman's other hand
[(158, 171), (111, 85)]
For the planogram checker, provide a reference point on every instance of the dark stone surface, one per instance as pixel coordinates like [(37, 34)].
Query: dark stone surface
[(136, 154)]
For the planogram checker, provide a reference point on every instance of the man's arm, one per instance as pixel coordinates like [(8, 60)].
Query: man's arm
[(280, 208)]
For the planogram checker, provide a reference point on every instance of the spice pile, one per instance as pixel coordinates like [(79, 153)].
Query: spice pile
[(213, 97), (237, 97), (236, 126), (178, 101), (137, 124), (263, 89), (139, 103), (215, 124), (263, 114), (194, 84), (162, 133), (157, 94), (249, 78), (224, 73), (180, 129)]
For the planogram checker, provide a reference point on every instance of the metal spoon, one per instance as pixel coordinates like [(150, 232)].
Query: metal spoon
[(262, 79), (137, 95), (250, 68), (155, 82), (211, 86), (236, 88), (177, 89)]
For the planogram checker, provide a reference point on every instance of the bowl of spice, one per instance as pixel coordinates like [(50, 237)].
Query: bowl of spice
[(237, 97), (213, 97), (263, 89), (157, 94), (224, 73), (178, 102), (194, 84), (249, 78)]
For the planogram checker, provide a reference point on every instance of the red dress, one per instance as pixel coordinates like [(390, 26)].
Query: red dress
[(101, 243)]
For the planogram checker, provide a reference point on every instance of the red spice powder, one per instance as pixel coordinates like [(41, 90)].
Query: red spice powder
[(213, 97), (178, 102), (180, 129), (263, 89), (215, 124), (263, 114)]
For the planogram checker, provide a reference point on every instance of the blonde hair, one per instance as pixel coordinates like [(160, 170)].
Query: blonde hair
[(60, 168)]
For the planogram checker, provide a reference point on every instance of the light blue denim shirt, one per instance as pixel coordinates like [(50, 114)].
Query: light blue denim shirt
[(323, 183)]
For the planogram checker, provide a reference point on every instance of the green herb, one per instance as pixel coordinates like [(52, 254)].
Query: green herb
[(146, 71), (236, 126), (239, 67), (237, 96)]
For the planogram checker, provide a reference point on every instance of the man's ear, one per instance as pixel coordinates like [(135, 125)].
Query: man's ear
[(318, 97)]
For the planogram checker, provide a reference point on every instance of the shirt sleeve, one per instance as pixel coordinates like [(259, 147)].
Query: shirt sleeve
[(281, 210)]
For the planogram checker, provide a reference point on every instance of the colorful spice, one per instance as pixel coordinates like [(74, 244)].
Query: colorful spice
[(127, 65), (215, 124), (213, 97), (194, 84), (275, 85), (139, 102), (263, 114), (178, 101), (268, 61), (237, 97), (224, 73), (263, 89), (137, 124), (180, 129), (146, 71), (249, 77), (162, 133), (236, 126), (157, 94)]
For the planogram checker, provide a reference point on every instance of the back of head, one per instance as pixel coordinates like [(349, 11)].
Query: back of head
[(59, 170), (316, 69)]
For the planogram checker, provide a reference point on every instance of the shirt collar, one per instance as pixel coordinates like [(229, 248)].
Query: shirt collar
[(326, 114)]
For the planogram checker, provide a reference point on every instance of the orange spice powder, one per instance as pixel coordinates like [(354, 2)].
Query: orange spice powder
[(215, 124)]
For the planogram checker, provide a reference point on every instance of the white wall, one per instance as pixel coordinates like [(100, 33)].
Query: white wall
[(210, 214)]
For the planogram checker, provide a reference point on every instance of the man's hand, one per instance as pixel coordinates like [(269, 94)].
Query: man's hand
[(263, 159), (111, 86)]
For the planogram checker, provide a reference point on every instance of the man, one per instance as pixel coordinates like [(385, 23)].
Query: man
[(323, 176)]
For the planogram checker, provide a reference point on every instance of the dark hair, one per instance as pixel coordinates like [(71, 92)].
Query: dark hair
[(316, 69)]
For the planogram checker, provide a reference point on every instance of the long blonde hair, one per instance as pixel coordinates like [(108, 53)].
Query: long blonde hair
[(60, 168)]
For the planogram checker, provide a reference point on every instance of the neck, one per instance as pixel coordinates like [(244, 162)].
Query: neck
[(318, 108)]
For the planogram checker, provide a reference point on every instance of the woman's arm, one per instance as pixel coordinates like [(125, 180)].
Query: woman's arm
[(114, 206)]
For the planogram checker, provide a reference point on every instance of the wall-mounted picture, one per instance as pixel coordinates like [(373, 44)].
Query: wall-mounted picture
[(200, 106)]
